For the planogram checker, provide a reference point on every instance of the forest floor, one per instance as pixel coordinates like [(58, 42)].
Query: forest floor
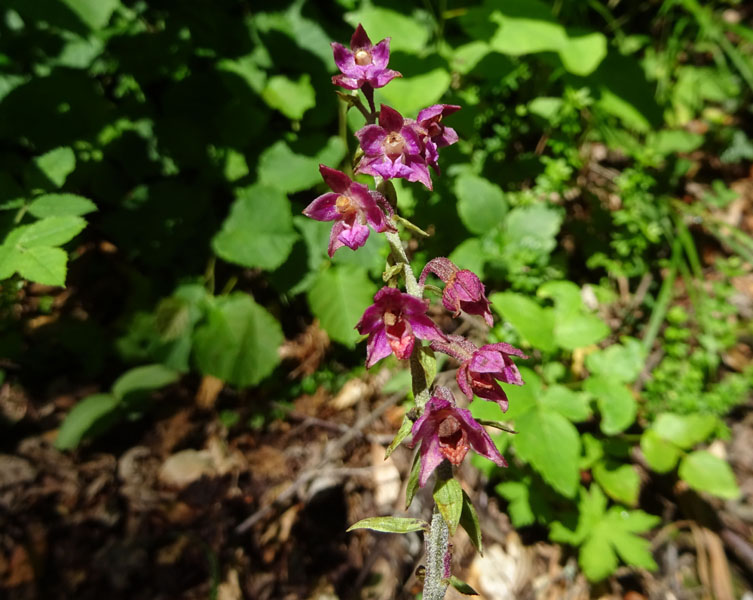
[(180, 506)]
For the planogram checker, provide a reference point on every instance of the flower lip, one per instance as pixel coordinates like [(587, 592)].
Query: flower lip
[(394, 144), (362, 57)]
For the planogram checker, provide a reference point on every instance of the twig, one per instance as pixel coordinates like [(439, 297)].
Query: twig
[(308, 473)]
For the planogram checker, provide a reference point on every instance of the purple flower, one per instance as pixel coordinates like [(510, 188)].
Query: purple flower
[(364, 63), (433, 133), (480, 368), (393, 323), (448, 432), (352, 206), (463, 289), (393, 149)]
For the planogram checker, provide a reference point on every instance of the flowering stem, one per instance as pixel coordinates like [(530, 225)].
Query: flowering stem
[(437, 544)]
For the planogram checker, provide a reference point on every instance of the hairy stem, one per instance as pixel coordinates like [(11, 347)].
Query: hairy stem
[(437, 544)]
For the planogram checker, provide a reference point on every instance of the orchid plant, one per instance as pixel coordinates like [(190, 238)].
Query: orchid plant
[(392, 146)]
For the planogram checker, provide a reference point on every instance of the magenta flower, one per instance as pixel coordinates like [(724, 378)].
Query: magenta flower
[(433, 133), (393, 149), (352, 206), (480, 368), (463, 289), (448, 432), (393, 323), (364, 63)]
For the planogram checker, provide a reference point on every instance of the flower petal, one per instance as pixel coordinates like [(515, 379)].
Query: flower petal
[(355, 236), (323, 208), (377, 348), (389, 118), (336, 180), (380, 54), (371, 139), (359, 39)]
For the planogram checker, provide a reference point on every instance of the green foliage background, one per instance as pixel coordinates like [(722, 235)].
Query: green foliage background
[(157, 156)]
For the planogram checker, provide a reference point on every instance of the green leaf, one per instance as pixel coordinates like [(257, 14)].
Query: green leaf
[(533, 228), (671, 142), (449, 498), (596, 557), (461, 586), (519, 507), (579, 331), (581, 54), (409, 95), (407, 33), (281, 168), (402, 433), (238, 343), (573, 405), (620, 482), (428, 363), (660, 454), (391, 524), (95, 13), (615, 401), (481, 204), (684, 431), (534, 323), (707, 473), (258, 232), (56, 165), (338, 298), (469, 522), (82, 418), (291, 98), (621, 362), (52, 231), (551, 444), (412, 486), (548, 108), (42, 264), (60, 205), (142, 380)]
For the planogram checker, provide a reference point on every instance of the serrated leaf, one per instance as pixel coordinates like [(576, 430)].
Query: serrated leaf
[(707, 473), (551, 444), (140, 380), (338, 298), (82, 418), (684, 431), (534, 323), (661, 455), (391, 524), (570, 404), (449, 498), (620, 482), (258, 232), (42, 264), (56, 165), (52, 231), (481, 203), (291, 98), (615, 401), (60, 205), (238, 343), (402, 433)]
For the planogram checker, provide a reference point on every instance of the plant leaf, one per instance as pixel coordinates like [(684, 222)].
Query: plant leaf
[(83, 417), (391, 524), (707, 473), (449, 498)]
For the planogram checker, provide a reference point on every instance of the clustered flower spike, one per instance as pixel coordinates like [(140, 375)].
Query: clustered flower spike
[(352, 206), (448, 432), (393, 323), (463, 289), (364, 63), (392, 149)]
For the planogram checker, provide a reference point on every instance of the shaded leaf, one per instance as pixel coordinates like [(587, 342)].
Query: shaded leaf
[(82, 418)]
